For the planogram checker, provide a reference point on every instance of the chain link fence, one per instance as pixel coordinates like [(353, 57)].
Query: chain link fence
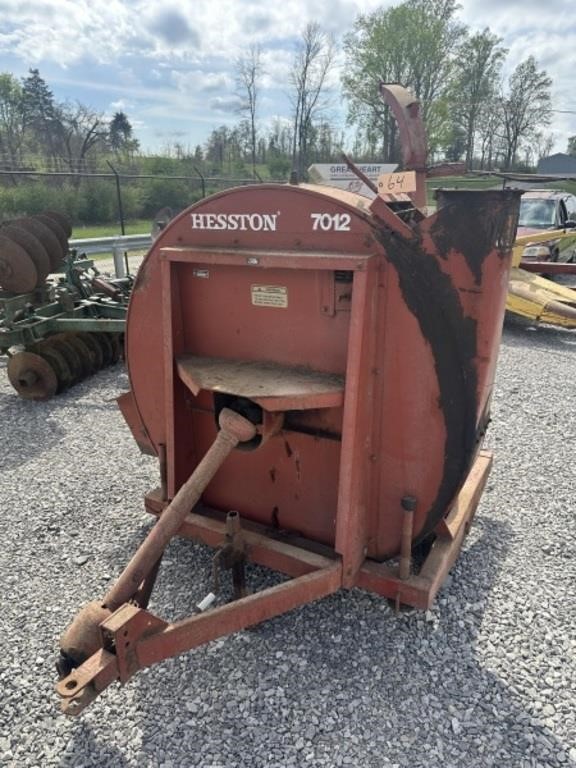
[(108, 196)]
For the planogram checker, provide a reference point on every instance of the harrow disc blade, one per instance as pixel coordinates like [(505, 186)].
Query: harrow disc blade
[(106, 346), (75, 364), (53, 225), (17, 271), (117, 346), (33, 248), (57, 361), (46, 237), (96, 351), (83, 353), (32, 376), (62, 220)]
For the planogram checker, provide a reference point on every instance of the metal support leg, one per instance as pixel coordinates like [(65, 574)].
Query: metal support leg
[(232, 556)]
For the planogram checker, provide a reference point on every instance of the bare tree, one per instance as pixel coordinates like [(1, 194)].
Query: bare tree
[(249, 70), (83, 132), (312, 62)]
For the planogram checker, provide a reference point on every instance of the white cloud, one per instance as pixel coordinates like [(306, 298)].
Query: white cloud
[(225, 103), (197, 81), (60, 31), (175, 61), (121, 105)]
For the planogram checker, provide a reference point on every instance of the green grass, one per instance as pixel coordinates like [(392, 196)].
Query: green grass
[(136, 227), (143, 226), (566, 186)]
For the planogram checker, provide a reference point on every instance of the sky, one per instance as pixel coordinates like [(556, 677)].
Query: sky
[(170, 65)]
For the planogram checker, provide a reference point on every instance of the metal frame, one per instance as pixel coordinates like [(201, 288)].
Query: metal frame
[(86, 315), (66, 304), (134, 638)]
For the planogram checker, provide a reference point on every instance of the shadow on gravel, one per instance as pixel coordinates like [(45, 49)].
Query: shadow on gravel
[(520, 332), (87, 751), (343, 682), (31, 428)]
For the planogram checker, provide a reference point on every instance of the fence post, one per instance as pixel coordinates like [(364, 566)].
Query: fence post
[(119, 256), (119, 197), (202, 181)]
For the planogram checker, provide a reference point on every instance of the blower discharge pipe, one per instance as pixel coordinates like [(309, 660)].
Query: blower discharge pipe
[(234, 429)]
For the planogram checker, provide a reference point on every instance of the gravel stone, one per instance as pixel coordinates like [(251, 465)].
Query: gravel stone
[(486, 678)]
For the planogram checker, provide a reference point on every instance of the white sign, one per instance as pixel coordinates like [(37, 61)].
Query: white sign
[(340, 172), (340, 176), (269, 296)]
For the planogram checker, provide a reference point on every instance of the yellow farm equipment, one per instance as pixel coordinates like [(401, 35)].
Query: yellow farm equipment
[(538, 298)]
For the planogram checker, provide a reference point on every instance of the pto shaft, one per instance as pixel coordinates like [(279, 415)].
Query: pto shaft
[(83, 637), (234, 429)]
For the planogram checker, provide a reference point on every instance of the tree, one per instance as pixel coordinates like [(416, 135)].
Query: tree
[(198, 155), (279, 149), (249, 70), (280, 137), (414, 44), (226, 148), (476, 77), (526, 108), (216, 145), (11, 120), (41, 117), (489, 125), (83, 132), (541, 145), (571, 148), (120, 134), (450, 136), (313, 60), (324, 142)]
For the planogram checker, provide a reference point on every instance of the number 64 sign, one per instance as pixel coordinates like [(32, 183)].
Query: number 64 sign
[(394, 183)]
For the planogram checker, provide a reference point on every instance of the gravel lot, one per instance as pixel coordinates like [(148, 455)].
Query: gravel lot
[(487, 678)]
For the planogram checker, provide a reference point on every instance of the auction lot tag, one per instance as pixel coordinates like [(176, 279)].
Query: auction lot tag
[(394, 183), (269, 296)]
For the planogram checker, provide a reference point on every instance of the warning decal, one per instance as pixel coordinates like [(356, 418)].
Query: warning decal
[(269, 296)]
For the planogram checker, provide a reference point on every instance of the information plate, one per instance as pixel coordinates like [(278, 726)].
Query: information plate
[(270, 296)]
